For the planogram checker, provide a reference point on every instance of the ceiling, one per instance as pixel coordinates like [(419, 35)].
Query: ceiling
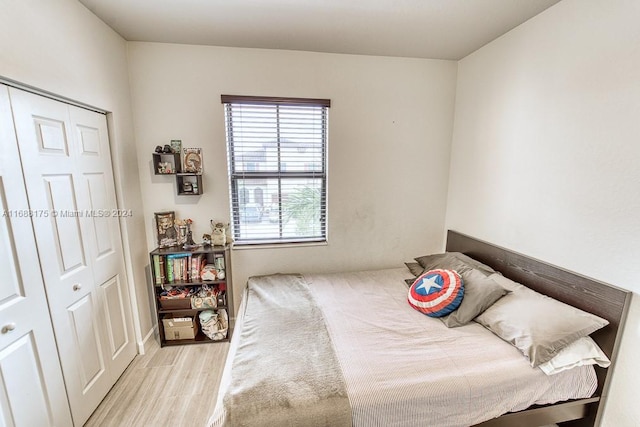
[(437, 29)]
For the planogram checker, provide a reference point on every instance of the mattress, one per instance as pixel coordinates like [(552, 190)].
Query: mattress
[(402, 368)]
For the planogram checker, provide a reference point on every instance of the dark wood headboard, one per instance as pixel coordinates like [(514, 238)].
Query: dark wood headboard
[(590, 295)]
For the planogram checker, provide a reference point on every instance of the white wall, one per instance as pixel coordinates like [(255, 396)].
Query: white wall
[(389, 136), (60, 47), (545, 154)]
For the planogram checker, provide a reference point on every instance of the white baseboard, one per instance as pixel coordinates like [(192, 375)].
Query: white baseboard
[(143, 346)]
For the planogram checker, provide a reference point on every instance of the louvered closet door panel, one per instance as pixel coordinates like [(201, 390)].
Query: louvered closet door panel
[(93, 160), (32, 390), (65, 238)]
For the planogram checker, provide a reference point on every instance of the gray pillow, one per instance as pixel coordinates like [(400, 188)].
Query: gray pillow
[(539, 326), (453, 261), (415, 268), (480, 293)]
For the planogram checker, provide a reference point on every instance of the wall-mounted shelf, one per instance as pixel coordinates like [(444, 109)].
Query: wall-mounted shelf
[(187, 184), (166, 163)]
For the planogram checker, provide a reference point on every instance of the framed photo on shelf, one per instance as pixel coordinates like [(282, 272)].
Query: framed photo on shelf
[(166, 229), (176, 146), (192, 158)]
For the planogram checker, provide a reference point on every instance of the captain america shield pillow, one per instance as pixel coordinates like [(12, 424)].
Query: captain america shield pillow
[(436, 293)]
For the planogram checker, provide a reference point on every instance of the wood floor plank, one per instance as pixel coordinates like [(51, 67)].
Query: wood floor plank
[(170, 386)]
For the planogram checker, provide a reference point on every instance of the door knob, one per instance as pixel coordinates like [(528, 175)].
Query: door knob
[(8, 327), (77, 287)]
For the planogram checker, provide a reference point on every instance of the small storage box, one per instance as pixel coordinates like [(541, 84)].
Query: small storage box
[(179, 328), (175, 303)]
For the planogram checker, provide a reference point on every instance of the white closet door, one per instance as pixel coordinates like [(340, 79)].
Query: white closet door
[(32, 390), (95, 173), (67, 169)]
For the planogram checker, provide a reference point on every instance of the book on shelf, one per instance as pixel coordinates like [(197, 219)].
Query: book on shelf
[(182, 267), (169, 271), (197, 262), (218, 261), (175, 267), (163, 276), (156, 269)]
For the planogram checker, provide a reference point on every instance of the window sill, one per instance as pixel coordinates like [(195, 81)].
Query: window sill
[(243, 246)]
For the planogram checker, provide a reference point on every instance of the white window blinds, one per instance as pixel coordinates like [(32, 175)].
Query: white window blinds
[(277, 158)]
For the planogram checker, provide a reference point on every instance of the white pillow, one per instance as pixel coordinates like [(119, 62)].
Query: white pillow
[(581, 352)]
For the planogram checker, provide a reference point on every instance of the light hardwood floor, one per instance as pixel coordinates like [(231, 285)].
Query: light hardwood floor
[(170, 386)]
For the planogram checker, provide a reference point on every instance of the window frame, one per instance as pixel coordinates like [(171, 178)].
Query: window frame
[(281, 174)]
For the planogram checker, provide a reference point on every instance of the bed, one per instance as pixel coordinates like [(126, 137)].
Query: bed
[(355, 353)]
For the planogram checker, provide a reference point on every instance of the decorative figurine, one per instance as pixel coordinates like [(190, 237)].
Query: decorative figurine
[(185, 236), (189, 243), (218, 234), (164, 167), (227, 231)]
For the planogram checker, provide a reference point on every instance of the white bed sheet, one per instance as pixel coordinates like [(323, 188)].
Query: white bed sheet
[(403, 368)]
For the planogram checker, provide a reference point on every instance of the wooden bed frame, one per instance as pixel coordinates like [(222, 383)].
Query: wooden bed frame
[(596, 297)]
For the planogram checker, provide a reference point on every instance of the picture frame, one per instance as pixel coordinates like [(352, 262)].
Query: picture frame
[(166, 229), (192, 160), (176, 146)]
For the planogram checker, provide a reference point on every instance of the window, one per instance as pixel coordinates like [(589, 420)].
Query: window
[(277, 160)]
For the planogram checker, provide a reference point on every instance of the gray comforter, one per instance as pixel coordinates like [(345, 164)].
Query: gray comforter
[(297, 364)]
